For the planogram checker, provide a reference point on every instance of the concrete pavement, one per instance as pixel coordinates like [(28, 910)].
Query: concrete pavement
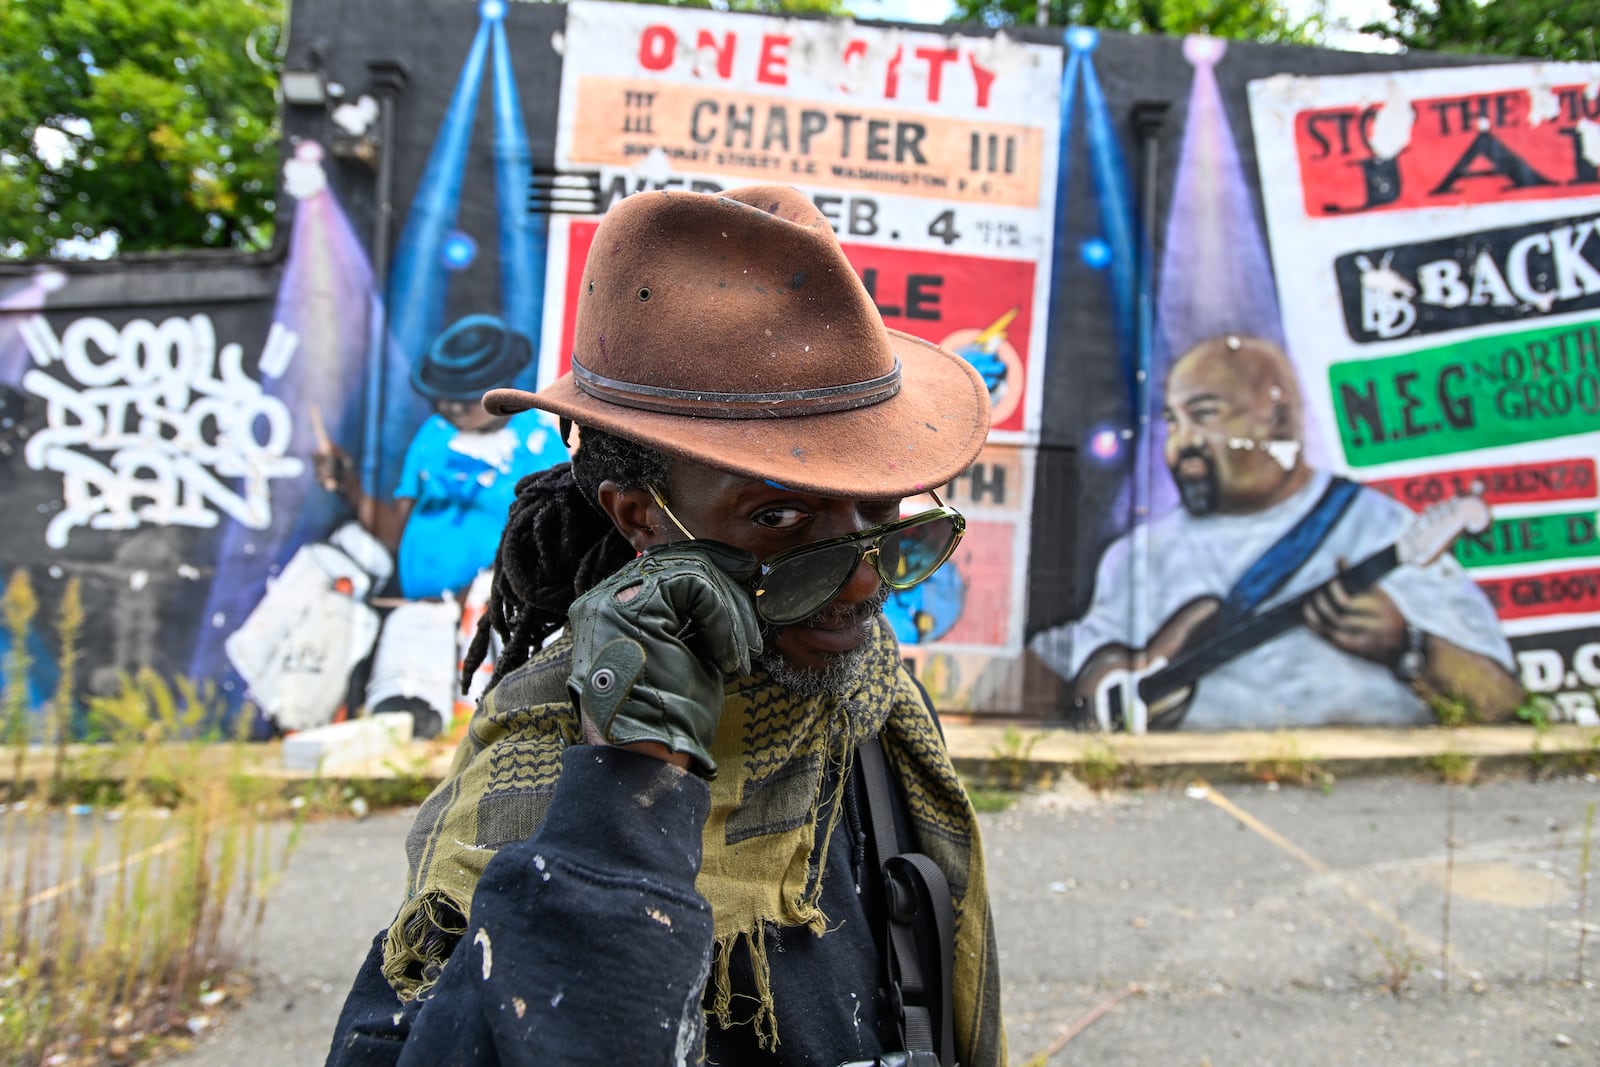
[(1186, 924)]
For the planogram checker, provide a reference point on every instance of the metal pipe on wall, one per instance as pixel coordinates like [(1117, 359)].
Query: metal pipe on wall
[(390, 77), (1148, 116)]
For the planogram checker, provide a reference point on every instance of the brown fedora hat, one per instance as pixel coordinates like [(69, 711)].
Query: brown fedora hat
[(729, 329)]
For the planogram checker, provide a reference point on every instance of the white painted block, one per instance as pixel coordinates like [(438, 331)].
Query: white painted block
[(325, 748)]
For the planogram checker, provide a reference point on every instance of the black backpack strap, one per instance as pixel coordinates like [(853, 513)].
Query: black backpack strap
[(916, 898)]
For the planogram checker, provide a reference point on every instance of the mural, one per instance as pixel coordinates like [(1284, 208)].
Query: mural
[(1444, 318), (1291, 354), (1266, 575)]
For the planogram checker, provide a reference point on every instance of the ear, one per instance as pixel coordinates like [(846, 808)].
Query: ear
[(633, 513)]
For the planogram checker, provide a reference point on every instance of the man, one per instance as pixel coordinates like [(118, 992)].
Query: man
[(655, 842), (1259, 528), (462, 466)]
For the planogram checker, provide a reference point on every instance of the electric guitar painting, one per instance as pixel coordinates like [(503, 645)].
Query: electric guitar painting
[(1152, 688)]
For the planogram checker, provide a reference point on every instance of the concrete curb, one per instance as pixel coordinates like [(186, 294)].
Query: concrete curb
[(1020, 755)]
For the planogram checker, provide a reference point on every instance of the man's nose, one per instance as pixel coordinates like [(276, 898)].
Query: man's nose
[(864, 582)]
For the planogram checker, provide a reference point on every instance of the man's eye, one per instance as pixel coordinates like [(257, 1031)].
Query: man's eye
[(781, 518)]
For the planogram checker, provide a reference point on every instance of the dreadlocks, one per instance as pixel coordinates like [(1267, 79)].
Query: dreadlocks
[(557, 544)]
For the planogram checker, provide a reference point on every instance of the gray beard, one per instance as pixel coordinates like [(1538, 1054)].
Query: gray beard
[(835, 680), (839, 676)]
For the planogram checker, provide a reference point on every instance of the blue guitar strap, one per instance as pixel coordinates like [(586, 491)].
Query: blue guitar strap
[(1289, 553)]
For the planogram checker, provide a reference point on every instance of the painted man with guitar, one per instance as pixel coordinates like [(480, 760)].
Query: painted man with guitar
[(1278, 595)]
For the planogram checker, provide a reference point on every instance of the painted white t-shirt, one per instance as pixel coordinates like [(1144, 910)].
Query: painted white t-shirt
[(1296, 678)]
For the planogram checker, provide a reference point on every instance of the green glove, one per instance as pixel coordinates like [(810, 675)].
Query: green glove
[(651, 644)]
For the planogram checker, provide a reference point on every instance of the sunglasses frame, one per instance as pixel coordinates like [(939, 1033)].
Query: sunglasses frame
[(868, 542)]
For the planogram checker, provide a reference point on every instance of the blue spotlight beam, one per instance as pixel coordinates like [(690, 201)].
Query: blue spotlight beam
[(1117, 222), (524, 234), (417, 283)]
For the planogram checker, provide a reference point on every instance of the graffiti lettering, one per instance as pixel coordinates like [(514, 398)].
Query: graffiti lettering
[(156, 424)]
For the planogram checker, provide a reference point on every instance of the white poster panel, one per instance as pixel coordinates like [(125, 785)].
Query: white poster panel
[(1433, 238), (934, 156)]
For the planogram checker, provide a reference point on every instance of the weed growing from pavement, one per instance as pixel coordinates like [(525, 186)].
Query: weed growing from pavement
[(1452, 710), (1454, 768), (1400, 960), (1101, 767), (121, 916), (20, 606), (1010, 757), (1287, 765), (991, 800)]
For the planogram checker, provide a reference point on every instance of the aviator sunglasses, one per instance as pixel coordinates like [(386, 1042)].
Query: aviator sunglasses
[(797, 583)]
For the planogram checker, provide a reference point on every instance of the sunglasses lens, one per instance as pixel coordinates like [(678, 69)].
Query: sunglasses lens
[(910, 555), (802, 585)]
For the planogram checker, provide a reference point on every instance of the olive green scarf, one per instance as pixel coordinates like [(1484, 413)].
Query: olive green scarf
[(773, 751)]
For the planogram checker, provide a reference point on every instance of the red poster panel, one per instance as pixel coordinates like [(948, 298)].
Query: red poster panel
[(1516, 483), (1560, 593), (1475, 149)]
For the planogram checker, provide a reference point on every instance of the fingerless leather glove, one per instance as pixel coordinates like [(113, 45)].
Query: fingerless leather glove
[(652, 644)]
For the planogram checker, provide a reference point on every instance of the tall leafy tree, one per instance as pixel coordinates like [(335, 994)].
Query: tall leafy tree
[(1255, 20), (139, 126), (1547, 29)]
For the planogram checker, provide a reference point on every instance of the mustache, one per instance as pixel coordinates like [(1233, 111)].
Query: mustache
[(1193, 452), (838, 614)]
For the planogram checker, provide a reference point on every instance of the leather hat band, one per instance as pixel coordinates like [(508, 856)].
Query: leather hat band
[(737, 405)]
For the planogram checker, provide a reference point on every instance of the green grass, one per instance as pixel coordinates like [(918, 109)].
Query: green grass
[(124, 905)]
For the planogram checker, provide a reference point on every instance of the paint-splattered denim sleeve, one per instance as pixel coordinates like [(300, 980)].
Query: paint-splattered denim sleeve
[(587, 943)]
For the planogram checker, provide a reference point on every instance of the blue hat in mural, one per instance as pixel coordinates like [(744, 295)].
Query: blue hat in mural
[(473, 355)]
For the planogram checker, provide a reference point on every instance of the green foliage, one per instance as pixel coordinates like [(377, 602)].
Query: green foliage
[(1548, 29), (159, 120), (19, 607), (69, 626), (1235, 19)]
